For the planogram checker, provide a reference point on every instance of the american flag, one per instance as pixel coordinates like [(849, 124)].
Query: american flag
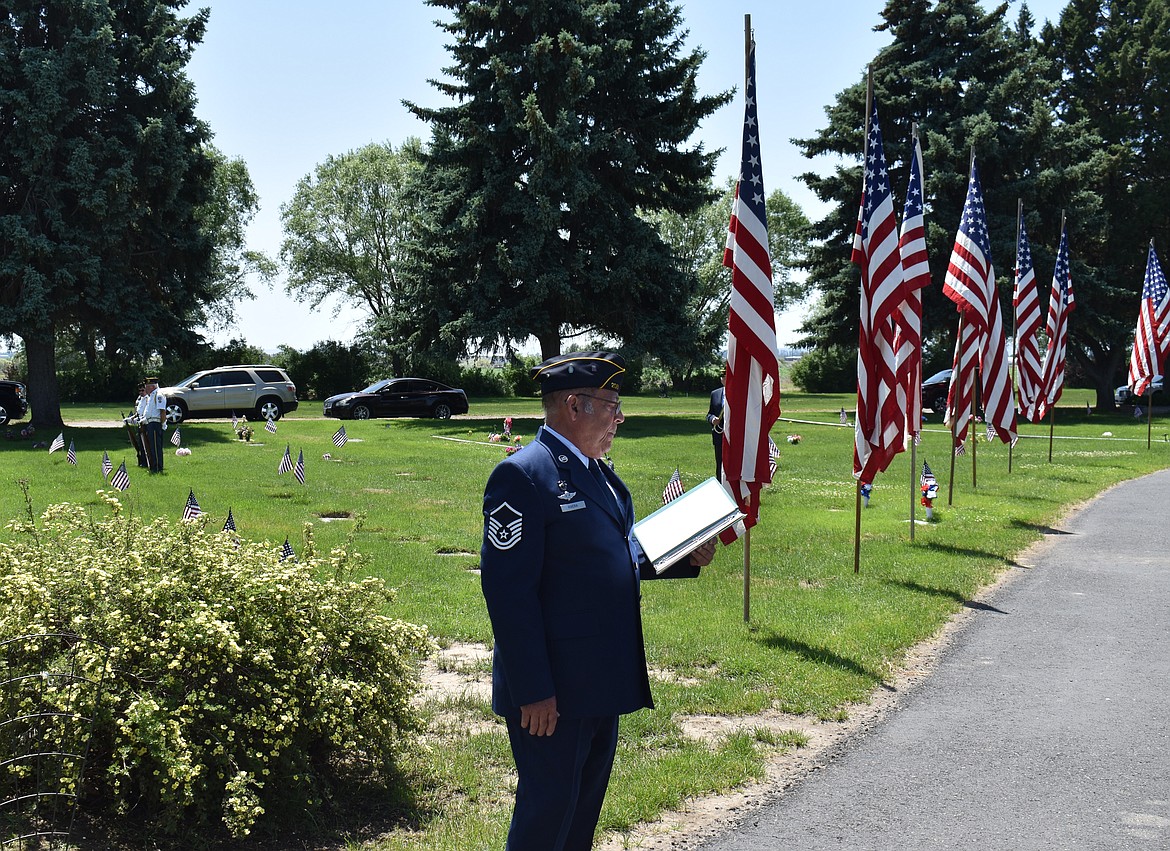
[(235, 421), (286, 463), (229, 525), (121, 479), (270, 426), (176, 438), (915, 276), (1026, 299), (674, 488), (299, 469), (1060, 305), (773, 457), (191, 510), (752, 378), (286, 552), (844, 417), (107, 464), (961, 393), (880, 420), (340, 438), (71, 455), (1151, 340), (58, 443), (970, 283), (927, 476)]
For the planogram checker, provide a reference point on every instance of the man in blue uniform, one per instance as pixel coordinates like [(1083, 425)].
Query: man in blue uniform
[(560, 571)]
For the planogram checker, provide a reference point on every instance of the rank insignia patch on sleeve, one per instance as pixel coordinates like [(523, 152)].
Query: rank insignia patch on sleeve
[(504, 527)]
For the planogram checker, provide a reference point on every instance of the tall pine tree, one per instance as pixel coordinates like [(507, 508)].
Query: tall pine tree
[(1115, 55), (102, 174), (569, 117), (971, 81)]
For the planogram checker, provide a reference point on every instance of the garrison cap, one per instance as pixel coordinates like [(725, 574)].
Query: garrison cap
[(149, 380), (581, 369)]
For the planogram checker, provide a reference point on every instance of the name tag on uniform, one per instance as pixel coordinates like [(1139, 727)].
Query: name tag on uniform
[(572, 506)]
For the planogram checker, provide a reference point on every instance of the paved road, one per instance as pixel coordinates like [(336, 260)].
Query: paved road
[(1046, 725)]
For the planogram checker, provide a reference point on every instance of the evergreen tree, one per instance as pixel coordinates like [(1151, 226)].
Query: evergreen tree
[(1115, 55), (102, 175), (570, 118), (971, 82)]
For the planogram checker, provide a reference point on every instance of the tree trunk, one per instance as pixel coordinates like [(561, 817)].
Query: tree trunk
[(550, 343), (44, 397)]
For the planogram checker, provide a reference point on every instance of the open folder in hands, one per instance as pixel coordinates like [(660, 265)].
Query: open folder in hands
[(673, 531)]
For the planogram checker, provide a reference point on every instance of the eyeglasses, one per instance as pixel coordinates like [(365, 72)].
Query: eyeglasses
[(616, 406)]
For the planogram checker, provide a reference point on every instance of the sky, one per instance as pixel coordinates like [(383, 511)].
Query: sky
[(285, 84)]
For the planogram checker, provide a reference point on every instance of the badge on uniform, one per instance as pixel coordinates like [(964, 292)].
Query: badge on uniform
[(565, 493), (504, 527)]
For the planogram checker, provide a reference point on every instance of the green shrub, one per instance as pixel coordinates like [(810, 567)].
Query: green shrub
[(831, 369), (242, 688)]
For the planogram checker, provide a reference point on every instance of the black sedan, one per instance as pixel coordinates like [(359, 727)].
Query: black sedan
[(13, 401), (934, 391), (398, 397)]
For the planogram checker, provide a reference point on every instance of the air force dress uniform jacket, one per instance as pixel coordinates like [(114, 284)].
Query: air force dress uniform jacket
[(562, 585)]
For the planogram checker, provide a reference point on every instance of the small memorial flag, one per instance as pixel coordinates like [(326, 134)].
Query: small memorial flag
[(235, 421), (191, 510), (844, 417), (107, 465), (286, 463), (121, 479), (286, 552), (270, 426), (340, 438), (773, 456), (674, 488), (176, 438), (299, 469), (58, 443), (229, 525), (71, 455)]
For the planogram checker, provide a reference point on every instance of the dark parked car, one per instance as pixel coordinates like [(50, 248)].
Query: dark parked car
[(398, 397), (934, 391), (1124, 396), (13, 401)]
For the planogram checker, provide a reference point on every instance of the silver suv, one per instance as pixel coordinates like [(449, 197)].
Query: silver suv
[(255, 391)]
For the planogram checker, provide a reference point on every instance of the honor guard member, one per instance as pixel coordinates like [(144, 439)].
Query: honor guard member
[(136, 429), (154, 422), (715, 420), (560, 571)]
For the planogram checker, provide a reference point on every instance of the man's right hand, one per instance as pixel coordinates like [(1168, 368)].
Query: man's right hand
[(540, 718)]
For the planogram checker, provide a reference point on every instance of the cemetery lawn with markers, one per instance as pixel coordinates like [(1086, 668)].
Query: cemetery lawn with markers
[(820, 639)]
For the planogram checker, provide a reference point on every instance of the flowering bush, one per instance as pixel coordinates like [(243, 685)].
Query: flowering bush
[(241, 687)]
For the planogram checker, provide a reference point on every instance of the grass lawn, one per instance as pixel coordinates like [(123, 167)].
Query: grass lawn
[(820, 638)]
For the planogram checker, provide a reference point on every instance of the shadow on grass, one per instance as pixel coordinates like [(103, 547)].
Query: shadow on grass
[(975, 605), (949, 549), (818, 655), (1016, 523)]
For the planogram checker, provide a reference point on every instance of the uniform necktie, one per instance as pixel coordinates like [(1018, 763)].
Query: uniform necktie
[(595, 469)]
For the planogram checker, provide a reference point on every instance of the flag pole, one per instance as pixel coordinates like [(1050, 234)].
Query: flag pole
[(747, 535), (864, 160), (975, 431), (912, 430), (954, 420), (1150, 417), (1016, 325), (913, 467), (1052, 410)]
